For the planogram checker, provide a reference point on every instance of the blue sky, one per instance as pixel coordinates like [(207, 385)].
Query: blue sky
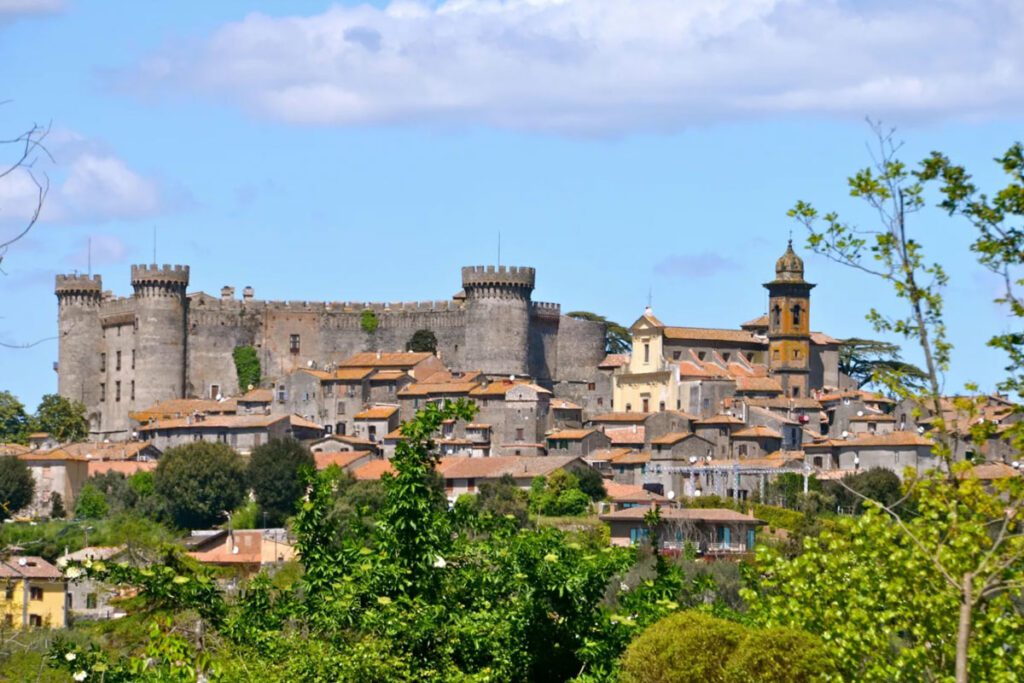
[(367, 151)]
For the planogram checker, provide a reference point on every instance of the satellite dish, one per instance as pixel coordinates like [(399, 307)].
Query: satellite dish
[(671, 495), (693, 459), (845, 433), (860, 413), (697, 492), (309, 363), (251, 387), (920, 430)]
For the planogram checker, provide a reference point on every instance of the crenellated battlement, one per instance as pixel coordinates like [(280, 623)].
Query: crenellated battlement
[(165, 275), (490, 276), (545, 309), (75, 286)]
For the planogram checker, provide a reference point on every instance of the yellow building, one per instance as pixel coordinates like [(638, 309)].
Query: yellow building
[(33, 593)]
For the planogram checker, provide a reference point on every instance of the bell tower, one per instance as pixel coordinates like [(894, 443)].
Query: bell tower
[(789, 328)]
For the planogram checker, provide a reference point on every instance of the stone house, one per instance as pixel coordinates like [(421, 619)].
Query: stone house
[(330, 399), (680, 446), (711, 531), (88, 598), (894, 451), (756, 441), (242, 432), (255, 402), (249, 550), (718, 430), (32, 593), (871, 423), (54, 472), (630, 467), (465, 475), (375, 422), (565, 414), (624, 496), (577, 442)]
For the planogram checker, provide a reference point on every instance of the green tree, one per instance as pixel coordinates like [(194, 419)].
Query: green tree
[(864, 360), (116, 490), (617, 338), (14, 422), (200, 483), (504, 497), (368, 321), (64, 419), (559, 495), (591, 483), (422, 341), (91, 503), (57, 510), (275, 474), (945, 579), (685, 647), (247, 367), (874, 484), (17, 487)]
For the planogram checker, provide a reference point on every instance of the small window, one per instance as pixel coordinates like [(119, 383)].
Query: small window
[(796, 314), (600, 401), (103, 362), (35, 593), (750, 357), (726, 357), (214, 391), (8, 620), (676, 354), (293, 343), (591, 386), (117, 360), (629, 407), (817, 461), (519, 434), (706, 404), (796, 354), (90, 601), (775, 354), (647, 353), (35, 620), (328, 390), (133, 359), (796, 392), (701, 355), (117, 390), (9, 593), (133, 390), (661, 406), (103, 391), (646, 405), (776, 316), (742, 450), (341, 407)]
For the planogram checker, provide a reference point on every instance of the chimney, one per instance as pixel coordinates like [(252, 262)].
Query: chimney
[(248, 293), (227, 293)]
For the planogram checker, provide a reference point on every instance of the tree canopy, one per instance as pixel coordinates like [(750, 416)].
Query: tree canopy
[(422, 341), (867, 362), (14, 421), (63, 418), (17, 487), (275, 474), (200, 483)]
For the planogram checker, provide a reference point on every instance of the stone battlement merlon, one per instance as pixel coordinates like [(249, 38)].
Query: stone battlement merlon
[(166, 274), (78, 284), (512, 276)]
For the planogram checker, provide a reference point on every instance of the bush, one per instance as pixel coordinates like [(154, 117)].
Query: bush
[(558, 495), (779, 655), (688, 646), (368, 321), (503, 497), (247, 367), (63, 418), (198, 482), (422, 341), (57, 510), (877, 484), (591, 483), (274, 475), (17, 487), (91, 503)]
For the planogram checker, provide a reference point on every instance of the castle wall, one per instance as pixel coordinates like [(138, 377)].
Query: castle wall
[(117, 366), (580, 348), (543, 346), (160, 339)]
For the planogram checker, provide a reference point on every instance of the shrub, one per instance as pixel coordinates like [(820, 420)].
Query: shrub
[(247, 367), (422, 341), (275, 477), (688, 646), (368, 321), (779, 655), (17, 487), (91, 503), (57, 510)]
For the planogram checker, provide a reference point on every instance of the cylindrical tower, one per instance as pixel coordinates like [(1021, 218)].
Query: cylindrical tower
[(160, 341), (79, 341), (497, 319)]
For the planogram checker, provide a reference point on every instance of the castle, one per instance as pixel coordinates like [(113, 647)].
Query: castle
[(122, 354)]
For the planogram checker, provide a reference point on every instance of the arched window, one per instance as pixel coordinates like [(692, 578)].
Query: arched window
[(796, 314), (776, 316)]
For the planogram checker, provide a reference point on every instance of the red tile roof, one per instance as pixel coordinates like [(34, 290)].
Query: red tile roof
[(372, 359), (690, 514), (377, 413)]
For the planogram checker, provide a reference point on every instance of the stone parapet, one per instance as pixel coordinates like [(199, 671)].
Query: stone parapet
[(78, 285), (166, 275), (496, 276)]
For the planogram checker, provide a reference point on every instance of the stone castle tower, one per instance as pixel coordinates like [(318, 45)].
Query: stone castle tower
[(498, 310), (123, 354), (789, 331)]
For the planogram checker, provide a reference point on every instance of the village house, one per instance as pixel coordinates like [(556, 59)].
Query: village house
[(577, 442), (713, 532), (242, 432), (248, 550), (54, 472), (374, 422), (33, 593), (88, 598)]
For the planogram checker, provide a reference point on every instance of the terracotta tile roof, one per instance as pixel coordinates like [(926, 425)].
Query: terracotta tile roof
[(991, 470), (689, 368), (614, 360), (712, 334), (388, 376), (13, 449), (342, 459), (691, 514), (183, 407), (303, 423), (621, 417), (55, 455), (437, 388), (215, 422), (120, 450), (493, 389), (339, 375), (760, 321), (626, 435), (632, 458), (783, 403), (94, 552), (856, 394), (571, 434), (670, 439), (562, 404), (31, 567), (519, 466), (873, 417), (758, 384), (377, 413), (756, 432), (720, 419), (630, 493), (371, 359), (891, 439), (257, 396), (374, 470), (607, 454), (823, 339), (125, 467), (249, 544), (395, 434), (478, 425), (355, 441), (39, 435), (650, 318)]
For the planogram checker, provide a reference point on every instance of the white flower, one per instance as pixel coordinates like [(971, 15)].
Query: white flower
[(62, 562), (70, 656), (80, 676), (624, 586), (440, 562), (73, 572)]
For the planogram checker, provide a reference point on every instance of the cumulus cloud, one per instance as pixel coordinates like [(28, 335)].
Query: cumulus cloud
[(608, 66), (703, 265), (87, 184)]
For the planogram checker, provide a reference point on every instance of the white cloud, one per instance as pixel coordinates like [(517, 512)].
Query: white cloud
[(611, 66), (87, 184)]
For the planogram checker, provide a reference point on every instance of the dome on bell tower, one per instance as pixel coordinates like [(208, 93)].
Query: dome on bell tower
[(789, 267)]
